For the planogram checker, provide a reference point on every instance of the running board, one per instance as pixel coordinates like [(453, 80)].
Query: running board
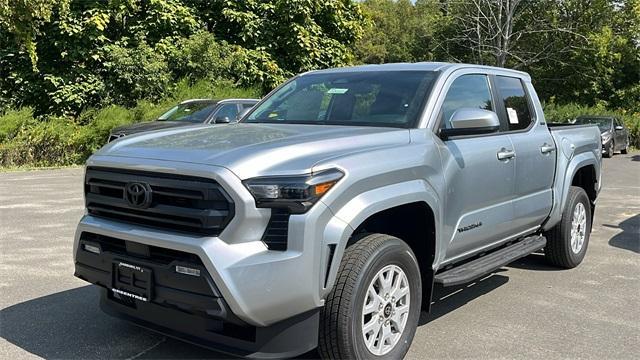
[(490, 262)]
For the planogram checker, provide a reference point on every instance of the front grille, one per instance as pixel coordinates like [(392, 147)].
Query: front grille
[(276, 234), (177, 202)]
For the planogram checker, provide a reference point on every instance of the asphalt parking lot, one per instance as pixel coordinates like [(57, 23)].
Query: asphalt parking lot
[(525, 310)]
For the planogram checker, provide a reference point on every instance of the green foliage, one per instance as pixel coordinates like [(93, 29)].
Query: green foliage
[(62, 57), (297, 35), (13, 121), (23, 19), (602, 67), (69, 96), (201, 56), (82, 67), (56, 141), (134, 73), (398, 31)]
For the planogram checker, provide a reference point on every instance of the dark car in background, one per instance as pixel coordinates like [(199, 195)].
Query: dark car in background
[(190, 112), (615, 136)]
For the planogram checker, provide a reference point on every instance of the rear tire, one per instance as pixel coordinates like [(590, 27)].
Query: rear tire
[(364, 310), (567, 242), (625, 151)]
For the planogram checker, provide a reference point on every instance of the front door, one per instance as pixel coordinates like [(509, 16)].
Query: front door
[(479, 177), (620, 135)]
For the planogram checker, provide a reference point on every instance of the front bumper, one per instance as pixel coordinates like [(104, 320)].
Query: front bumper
[(258, 286), (185, 306)]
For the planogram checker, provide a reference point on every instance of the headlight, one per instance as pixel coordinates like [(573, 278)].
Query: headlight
[(605, 137), (296, 193)]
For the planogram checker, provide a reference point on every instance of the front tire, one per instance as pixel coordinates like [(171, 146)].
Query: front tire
[(567, 242), (373, 309), (609, 152)]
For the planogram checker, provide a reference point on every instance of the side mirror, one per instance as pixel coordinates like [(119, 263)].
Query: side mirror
[(619, 127), (471, 121), (222, 120)]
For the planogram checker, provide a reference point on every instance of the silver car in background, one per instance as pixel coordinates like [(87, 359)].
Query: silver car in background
[(190, 112)]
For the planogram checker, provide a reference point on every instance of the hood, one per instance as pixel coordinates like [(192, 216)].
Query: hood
[(251, 150), (148, 126)]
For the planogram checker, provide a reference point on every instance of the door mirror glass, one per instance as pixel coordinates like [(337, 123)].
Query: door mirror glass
[(471, 121)]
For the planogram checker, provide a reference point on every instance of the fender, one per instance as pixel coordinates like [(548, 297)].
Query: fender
[(358, 209), (562, 184)]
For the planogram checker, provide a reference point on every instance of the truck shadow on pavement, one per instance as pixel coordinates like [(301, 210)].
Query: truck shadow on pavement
[(70, 325), (629, 238), (447, 299), (535, 262)]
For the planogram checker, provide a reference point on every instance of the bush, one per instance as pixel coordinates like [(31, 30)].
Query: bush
[(135, 73), (56, 141), (568, 112), (13, 120)]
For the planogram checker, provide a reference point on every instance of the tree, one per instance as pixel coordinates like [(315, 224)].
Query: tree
[(299, 35), (23, 19), (575, 50), (398, 31), (603, 65), (61, 56), (514, 33)]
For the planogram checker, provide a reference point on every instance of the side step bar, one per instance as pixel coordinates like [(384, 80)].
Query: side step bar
[(490, 262)]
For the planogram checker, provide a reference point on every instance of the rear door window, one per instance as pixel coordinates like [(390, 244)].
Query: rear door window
[(515, 102)]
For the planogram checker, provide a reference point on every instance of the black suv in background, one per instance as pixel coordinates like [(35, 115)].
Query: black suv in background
[(189, 112), (615, 137)]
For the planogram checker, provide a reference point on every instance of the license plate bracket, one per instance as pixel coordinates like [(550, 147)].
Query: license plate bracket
[(132, 281)]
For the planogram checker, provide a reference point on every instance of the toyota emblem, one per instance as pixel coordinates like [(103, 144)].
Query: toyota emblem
[(138, 194)]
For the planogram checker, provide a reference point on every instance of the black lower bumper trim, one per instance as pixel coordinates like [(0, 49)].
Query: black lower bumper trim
[(287, 338)]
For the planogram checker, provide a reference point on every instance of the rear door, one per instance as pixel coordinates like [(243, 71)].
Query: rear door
[(480, 186), (535, 150)]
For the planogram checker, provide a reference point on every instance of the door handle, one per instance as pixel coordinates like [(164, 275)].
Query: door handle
[(506, 154), (546, 148)]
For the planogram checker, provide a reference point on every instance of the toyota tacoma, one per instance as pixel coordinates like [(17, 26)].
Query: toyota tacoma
[(327, 214)]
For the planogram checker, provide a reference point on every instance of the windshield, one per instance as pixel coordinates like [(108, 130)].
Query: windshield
[(192, 112), (603, 124), (381, 98)]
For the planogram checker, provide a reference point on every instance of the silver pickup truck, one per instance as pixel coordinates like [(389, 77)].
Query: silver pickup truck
[(324, 218)]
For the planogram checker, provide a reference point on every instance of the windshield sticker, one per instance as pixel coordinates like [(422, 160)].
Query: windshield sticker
[(513, 115), (337, 91)]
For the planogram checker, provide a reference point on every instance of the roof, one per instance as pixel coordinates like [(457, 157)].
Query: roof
[(419, 66), (213, 101), (240, 100), (200, 100)]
